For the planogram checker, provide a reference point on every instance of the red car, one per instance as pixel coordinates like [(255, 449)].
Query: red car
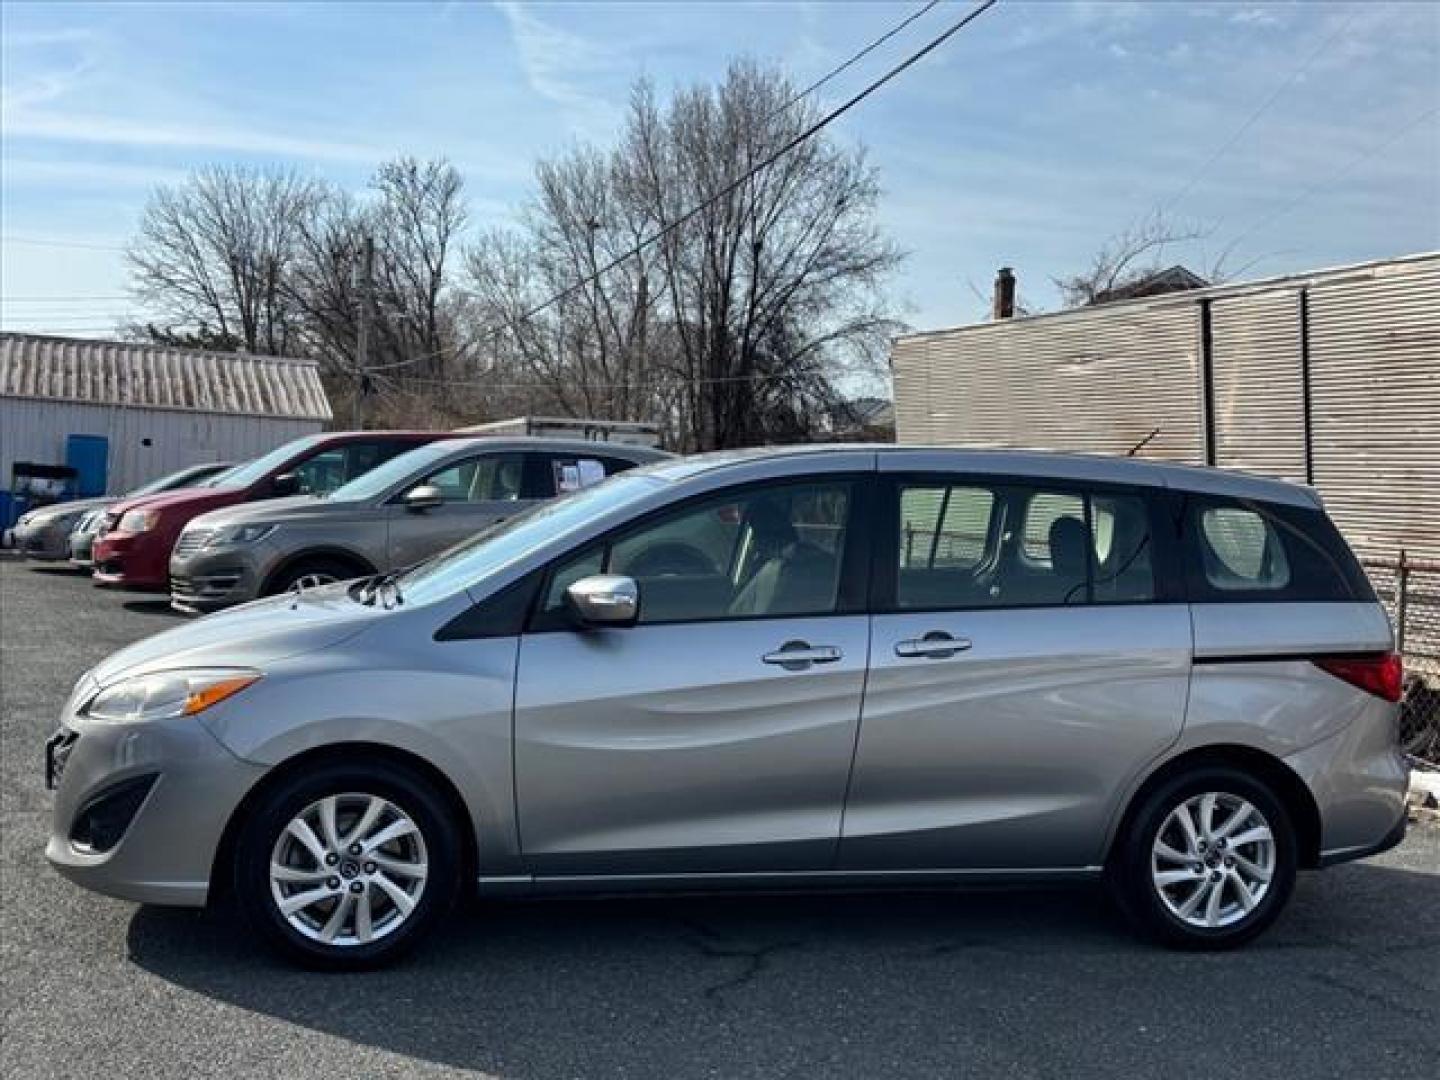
[(134, 548)]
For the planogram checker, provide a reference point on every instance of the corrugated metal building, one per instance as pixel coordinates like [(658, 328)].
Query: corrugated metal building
[(160, 408), (1330, 378)]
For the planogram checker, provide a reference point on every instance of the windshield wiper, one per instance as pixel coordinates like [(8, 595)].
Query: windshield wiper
[(382, 587)]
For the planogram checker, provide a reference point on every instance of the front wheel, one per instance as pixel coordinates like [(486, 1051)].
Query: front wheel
[(348, 866), (1208, 860)]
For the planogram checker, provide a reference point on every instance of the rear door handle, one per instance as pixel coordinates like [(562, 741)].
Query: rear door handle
[(936, 645), (799, 655)]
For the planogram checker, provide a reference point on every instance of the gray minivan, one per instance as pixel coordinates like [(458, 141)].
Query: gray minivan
[(396, 514), (852, 666)]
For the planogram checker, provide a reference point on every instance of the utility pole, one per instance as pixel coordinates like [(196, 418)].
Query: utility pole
[(365, 284)]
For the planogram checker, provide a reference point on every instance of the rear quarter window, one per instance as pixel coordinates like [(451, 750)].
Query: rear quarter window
[(1239, 551)]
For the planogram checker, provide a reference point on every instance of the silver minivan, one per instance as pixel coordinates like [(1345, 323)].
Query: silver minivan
[(398, 513), (845, 666)]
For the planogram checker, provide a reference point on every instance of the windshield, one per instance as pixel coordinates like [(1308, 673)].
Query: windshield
[(243, 476), (221, 478), (473, 560), (379, 479), (164, 483)]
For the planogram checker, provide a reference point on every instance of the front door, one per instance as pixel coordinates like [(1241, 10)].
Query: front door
[(1026, 666), (479, 491), (715, 735)]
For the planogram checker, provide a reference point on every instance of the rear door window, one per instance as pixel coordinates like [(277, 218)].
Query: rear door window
[(1008, 545)]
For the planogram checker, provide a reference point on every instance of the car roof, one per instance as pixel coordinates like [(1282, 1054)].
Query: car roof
[(1097, 468), (468, 442)]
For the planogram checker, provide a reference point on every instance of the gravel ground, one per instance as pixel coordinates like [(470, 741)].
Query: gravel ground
[(1020, 984)]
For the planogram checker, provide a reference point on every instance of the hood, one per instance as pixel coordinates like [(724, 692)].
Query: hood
[(190, 500), (73, 506), (252, 635), (267, 511)]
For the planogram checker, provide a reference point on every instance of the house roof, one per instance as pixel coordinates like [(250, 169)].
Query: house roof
[(138, 375), (1175, 279)]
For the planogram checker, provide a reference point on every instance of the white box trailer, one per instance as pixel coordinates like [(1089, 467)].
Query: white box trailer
[(625, 432)]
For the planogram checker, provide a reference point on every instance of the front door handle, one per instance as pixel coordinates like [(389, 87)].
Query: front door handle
[(799, 655), (936, 645)]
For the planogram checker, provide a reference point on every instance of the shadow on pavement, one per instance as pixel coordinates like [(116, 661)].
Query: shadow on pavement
[(153, 607), (818, 984)]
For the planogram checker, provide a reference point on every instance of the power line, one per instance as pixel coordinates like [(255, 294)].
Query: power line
[(755, 170), (1337, 176), (866, 51), (45, 242), (58, 299), (1174, 200)]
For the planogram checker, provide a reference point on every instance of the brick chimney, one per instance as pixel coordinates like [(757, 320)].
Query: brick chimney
[(1004, 294)]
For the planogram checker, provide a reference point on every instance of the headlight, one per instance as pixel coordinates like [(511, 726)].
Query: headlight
[(167, 694), (239, 534), (138, 521)]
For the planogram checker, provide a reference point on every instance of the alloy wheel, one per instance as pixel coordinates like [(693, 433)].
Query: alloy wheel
[(1213, 860), (349, 869)]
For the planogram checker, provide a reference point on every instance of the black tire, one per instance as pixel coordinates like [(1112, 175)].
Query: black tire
[(404, 788), (1130, 867), (320, 566)]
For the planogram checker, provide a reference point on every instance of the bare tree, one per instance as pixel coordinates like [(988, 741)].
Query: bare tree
[(1137, 253), (733, 327), (213, 253)]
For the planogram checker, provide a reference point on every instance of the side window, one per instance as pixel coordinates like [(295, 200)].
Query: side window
[(1241, 551), (322, 473), (559, 474), (485, 478), (766, 552), (1042, 511), (968, 546)]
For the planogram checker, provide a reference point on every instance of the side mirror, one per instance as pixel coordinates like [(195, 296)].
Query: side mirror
[(285, 484), (424, 497), (604, 600)]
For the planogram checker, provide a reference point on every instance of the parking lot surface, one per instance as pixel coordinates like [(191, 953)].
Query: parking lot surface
[(1019, 984)]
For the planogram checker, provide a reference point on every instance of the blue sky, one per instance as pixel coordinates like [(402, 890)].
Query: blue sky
[(1027, 140)]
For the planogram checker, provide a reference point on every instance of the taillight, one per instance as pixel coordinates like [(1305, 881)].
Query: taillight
[(1381, 674)]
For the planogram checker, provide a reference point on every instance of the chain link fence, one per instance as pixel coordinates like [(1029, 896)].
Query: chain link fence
[(1410, 591)]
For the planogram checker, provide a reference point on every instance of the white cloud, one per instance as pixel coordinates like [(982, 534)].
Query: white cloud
[(560, 66), (1254, 17), (20, 122)]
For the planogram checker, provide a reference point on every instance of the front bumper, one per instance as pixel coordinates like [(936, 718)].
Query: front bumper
[(48, 541), (134, 560), (215, 578), (166, 852), (82, 546)]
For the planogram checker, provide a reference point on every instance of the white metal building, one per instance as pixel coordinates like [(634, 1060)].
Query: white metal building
[(1330, 378), (160, 408)]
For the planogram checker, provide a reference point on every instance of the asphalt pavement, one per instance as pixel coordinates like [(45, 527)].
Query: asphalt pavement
[(1013, 984)]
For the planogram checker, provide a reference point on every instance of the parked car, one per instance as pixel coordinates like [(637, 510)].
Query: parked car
[(394, 515), (818, 666), (44, 533), (133, 548), (82, 536)]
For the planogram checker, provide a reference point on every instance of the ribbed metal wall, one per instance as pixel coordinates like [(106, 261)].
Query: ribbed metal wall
[(33, 430), (1098, 380), (1259, 404), (1375, 392)]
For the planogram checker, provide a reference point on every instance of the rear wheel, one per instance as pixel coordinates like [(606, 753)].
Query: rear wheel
[(1208, 860), (348, 866)]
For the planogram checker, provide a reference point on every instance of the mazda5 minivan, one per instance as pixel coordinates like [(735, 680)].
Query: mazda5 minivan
[(809, 667)]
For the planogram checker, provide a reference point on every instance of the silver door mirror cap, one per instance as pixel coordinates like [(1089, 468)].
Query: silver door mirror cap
[(605, 600), (424, 497)]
